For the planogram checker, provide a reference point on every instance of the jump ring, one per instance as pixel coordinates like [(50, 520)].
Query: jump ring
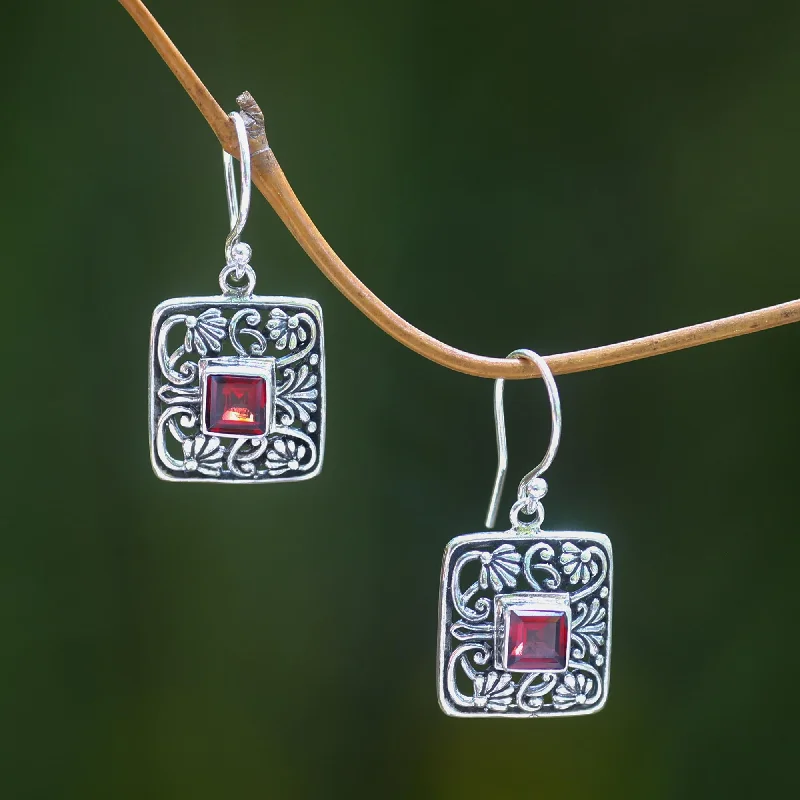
[(231, 290), (534, 524)]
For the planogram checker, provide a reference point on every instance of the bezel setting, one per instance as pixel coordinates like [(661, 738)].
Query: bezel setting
[(238, 367), (541, 602), (570, 572), (279, 339)]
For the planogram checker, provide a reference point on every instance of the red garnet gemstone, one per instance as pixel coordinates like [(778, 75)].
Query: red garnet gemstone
[(236, 405), (537, 640)]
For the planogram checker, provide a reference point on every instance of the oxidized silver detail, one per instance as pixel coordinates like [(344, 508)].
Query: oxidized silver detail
[(576, 572), (279, 338)]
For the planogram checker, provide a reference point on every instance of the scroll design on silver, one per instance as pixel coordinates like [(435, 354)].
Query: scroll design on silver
[(252, 318), (543, 551), (499, 567), (470, 684), (490, 690), (288, 330), (533, 689)]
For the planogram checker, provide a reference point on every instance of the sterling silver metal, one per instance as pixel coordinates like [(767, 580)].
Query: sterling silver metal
[(484, 575), (193, 337), (236, 251), (531, 488), (482, 570)]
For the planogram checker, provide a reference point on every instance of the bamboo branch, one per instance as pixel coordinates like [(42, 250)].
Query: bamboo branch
[(272, 183)]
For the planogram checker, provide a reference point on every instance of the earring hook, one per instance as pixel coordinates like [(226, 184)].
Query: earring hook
[(237, 252), (532, 488)]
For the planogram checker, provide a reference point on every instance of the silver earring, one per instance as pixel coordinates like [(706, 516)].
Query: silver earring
[(237, 380), (525, 615)]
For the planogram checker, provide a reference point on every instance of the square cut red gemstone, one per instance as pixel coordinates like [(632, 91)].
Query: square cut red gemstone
[(236, 405), (537, 640)]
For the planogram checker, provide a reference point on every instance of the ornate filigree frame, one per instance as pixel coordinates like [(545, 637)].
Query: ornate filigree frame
[(575, 568), (286, 346)]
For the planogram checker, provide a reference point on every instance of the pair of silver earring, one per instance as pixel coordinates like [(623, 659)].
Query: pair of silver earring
[(237, 395)]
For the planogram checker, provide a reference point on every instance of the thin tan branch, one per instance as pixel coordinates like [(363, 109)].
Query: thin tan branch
[(270, 180)]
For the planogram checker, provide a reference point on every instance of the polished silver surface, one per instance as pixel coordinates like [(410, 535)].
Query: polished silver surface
[(238, 252), (486, 574), (532, 487), (237, 333), (270, 336), (484, 571)]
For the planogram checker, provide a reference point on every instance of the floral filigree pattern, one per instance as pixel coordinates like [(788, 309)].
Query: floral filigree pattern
[(298, 395), (285, 330), (588, 629), (493, 691), (205, 332), (574, 690), (286, 454), (576, 568), (203, 454), (578, 564), (285, 336), (500, 568)]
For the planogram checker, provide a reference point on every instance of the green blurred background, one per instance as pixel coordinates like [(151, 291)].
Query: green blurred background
[(544, 175)]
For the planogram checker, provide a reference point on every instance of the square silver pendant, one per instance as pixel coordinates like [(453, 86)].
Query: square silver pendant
[(237, 389), (525, 624)]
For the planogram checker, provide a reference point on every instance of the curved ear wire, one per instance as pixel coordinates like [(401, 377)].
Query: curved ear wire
[(237, 211), (525, 492), (502, 453)]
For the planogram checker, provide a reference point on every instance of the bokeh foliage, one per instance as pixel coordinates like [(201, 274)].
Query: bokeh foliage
[(546, 175)]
